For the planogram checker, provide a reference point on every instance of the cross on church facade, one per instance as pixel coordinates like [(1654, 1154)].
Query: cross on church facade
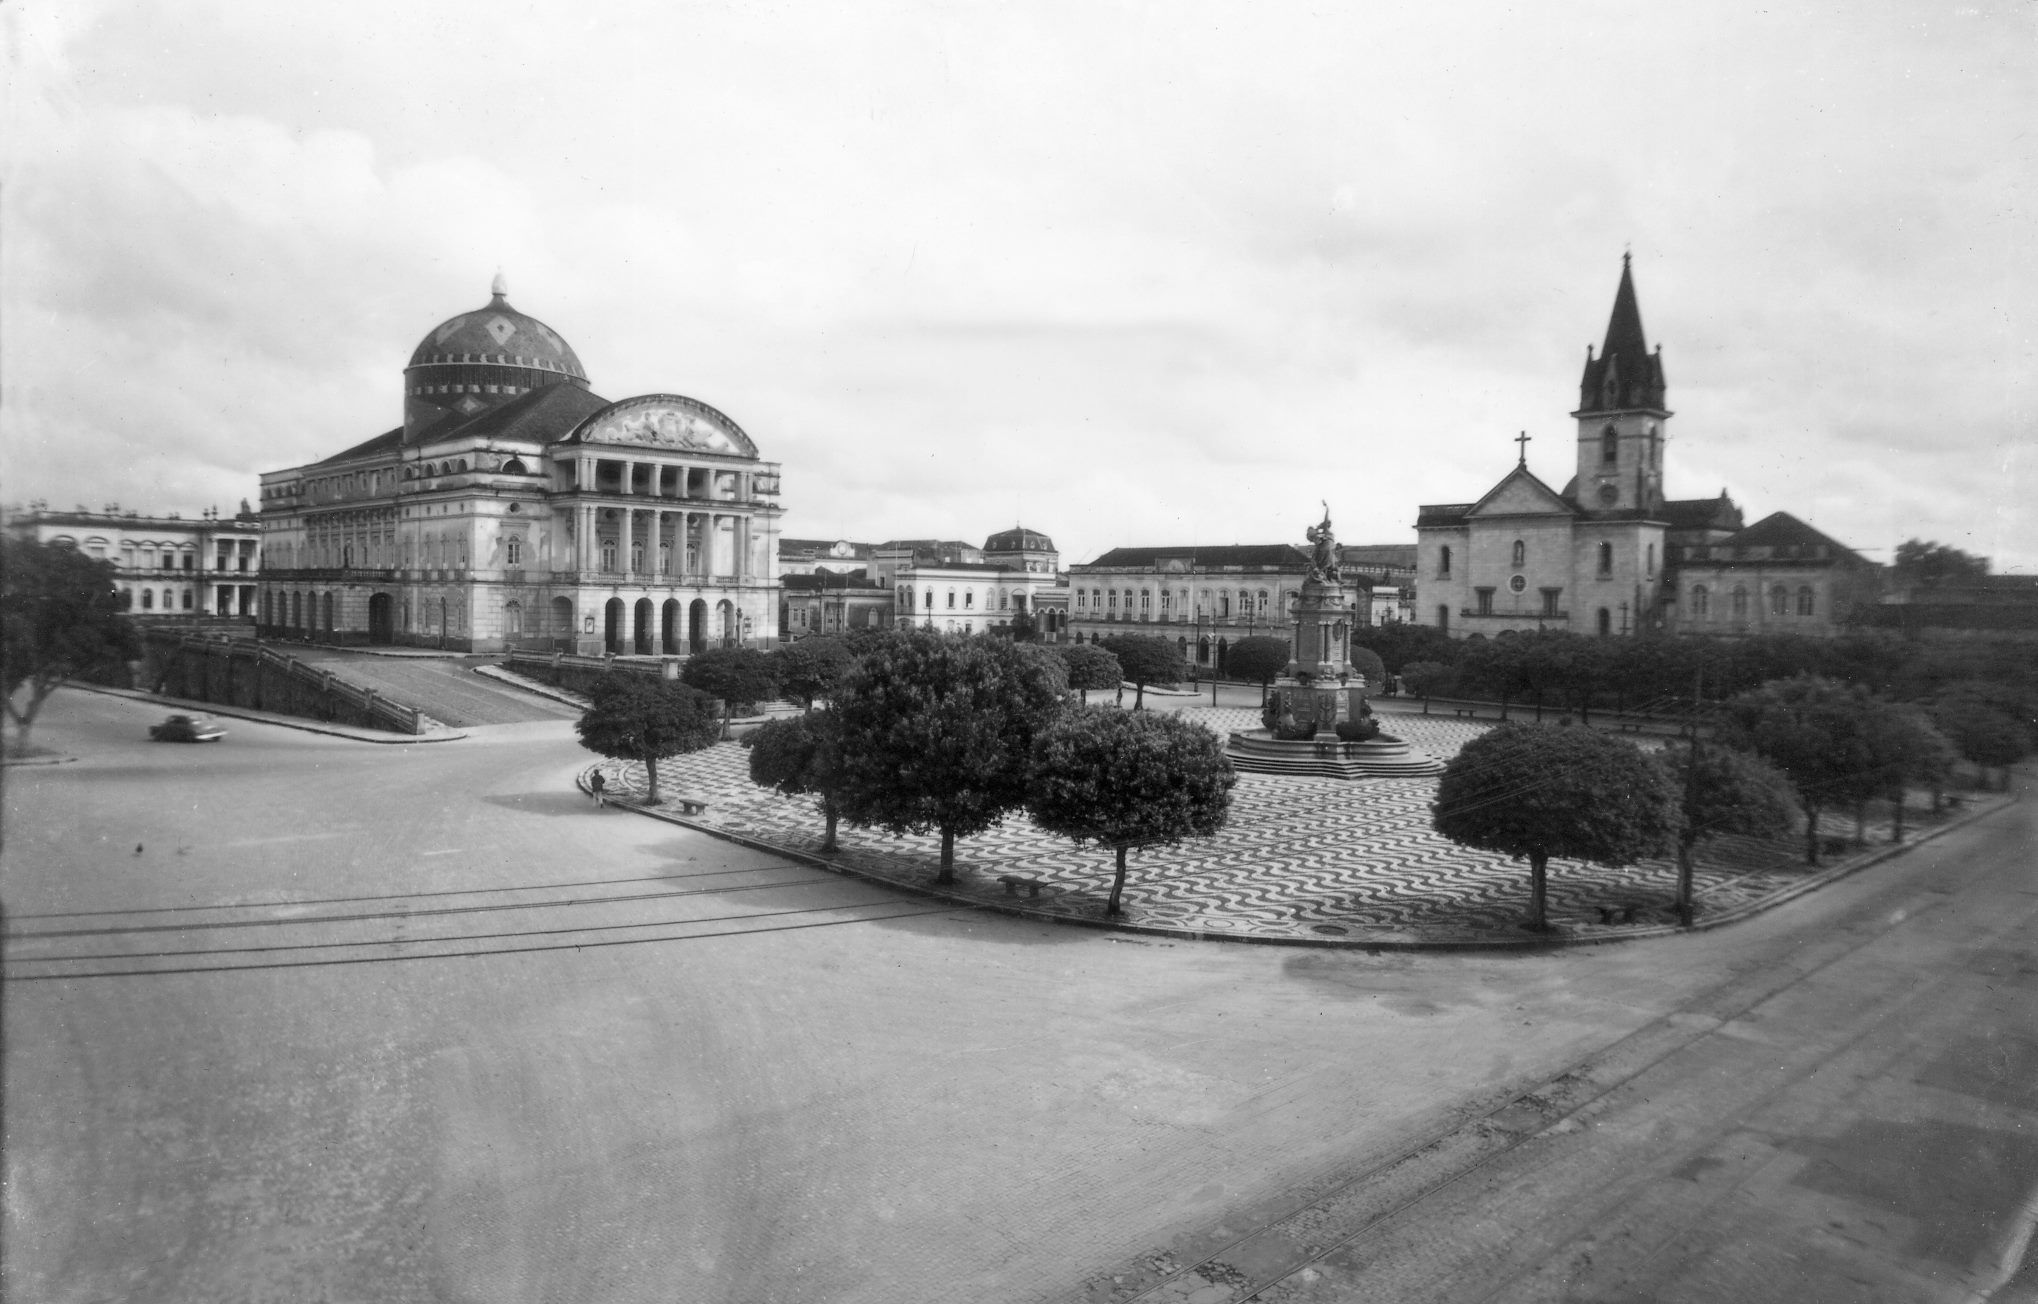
[(1523, 440)]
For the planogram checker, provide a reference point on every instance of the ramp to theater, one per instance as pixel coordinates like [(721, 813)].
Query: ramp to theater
[(442, 687)]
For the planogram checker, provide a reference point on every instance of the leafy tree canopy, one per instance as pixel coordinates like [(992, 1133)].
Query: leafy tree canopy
[(1258, 660), (1921, 562), (1128, 780), (641, 718), (1090, 666), (1367, 663), (1543, 792), (1146, 661), (1424, 677), (1980, 726), (60, 618), (800, 756), (809, 669), (1398, 643), (937, 731)]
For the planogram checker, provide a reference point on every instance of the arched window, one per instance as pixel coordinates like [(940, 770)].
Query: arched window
[(951, 599), (148, 599), (1004, 600), (1444, 562), (1224, 604), (969, 599), (1167, 603), (513, 619), (1263, 602), (1605, 560), (929, 604), (1609, 446), (1740, 602), (1520, 557), (1779, 601), (1145, 604), (1805, 602), (1701, 602), (636, 556), (1443, 617)]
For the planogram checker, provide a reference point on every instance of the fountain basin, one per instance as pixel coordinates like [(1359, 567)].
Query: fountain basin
[(1257, 751)]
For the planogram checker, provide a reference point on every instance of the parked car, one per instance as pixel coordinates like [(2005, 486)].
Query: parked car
[(186, 729)]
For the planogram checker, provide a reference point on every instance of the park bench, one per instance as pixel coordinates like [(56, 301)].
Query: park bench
[(1465, 710), (1013, 882), (1616, 914), (688, 805)]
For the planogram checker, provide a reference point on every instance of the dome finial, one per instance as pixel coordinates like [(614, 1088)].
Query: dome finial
[(499, 287)]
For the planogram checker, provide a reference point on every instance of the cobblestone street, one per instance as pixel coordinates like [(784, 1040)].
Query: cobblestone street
[(1317, 860)]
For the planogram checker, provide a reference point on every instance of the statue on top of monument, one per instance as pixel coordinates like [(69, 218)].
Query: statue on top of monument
[(1323, 555)]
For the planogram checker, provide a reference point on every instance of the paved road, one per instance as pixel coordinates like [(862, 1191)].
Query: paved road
[(444, 688), (416, 1023)]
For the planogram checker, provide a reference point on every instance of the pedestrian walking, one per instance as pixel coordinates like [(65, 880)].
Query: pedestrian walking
[(595, 785)]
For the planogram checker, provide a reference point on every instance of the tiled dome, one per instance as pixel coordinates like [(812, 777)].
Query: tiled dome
[(498, 335), (1018, 539)]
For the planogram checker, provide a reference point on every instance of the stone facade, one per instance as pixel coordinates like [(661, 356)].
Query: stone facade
[(516, 508), (165, 566)]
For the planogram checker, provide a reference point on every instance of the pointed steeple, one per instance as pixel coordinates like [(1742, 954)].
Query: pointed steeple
[(1625, 374)]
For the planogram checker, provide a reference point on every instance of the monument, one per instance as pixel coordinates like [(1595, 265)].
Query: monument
[(1320, 724)]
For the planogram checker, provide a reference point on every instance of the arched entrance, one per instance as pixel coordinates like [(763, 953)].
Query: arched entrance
[(612, 625), (642, 627), (1224, 654), (668, 627), (697, 625), (561, 625), (381, 618), (725, 622)]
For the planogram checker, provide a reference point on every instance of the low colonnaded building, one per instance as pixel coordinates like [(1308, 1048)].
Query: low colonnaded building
[(207, 566)]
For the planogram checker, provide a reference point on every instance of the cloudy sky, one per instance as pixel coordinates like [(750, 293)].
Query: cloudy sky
[(1131, 273)]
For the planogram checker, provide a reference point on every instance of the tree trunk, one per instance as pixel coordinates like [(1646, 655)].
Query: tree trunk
[(1425, 703), (1139, 696), (1811, 835), (1086, 695), (1539, 882), (651, 773), (1117, 885), (947, 874), (1684, 877), (1896, 834), (828, 840)]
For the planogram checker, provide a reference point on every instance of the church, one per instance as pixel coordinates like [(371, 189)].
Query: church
[(516, 508), (1610, 554)]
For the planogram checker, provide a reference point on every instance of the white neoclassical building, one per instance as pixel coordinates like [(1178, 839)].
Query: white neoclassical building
[(514, 507)]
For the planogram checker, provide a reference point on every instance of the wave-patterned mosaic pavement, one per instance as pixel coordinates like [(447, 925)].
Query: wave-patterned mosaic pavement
[(1319, 860)]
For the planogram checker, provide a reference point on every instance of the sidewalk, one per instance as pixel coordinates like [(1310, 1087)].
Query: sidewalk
[(437, 734), (1303, 861)]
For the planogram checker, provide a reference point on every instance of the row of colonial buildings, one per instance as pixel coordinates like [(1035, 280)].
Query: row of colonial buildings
[(515, 507)]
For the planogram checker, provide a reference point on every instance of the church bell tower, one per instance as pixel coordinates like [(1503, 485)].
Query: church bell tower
[(1621, 416)]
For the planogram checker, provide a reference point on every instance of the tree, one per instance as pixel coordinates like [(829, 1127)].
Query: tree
[(1984, 731), (1542, 791), (60, 619), (639, 718), (734, 674), (810, 668), (1366, 663), (1024, 627), (1816, 732), (801, 756), (1496, 667), (1146, 661), (937, 731), (1922, 562), (1259, 660), (1904, 748), (1399, 643), (1124, 781), (1424, 678), (1090, 666), (1722, 791)]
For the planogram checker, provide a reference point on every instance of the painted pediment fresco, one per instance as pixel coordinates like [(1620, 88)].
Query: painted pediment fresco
[(666, 421)]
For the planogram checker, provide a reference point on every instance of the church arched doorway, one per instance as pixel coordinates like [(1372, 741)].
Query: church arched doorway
[(697, 625), (381, 618), (612, 626)]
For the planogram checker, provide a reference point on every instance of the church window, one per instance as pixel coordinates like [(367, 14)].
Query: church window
[(513, 552), (1609, 447), (148, 600), (1740, 601), (1520, 553), (1550, 597), (1444, 563), (1485, 600), (1605, 560), (1779, 601), (1805, 601), (1443, 617), (1701, 602)]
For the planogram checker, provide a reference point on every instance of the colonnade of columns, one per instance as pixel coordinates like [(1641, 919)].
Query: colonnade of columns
[(693, 538)]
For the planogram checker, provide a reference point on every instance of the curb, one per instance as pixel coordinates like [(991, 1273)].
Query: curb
[(352, 733), (1399, 943)]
